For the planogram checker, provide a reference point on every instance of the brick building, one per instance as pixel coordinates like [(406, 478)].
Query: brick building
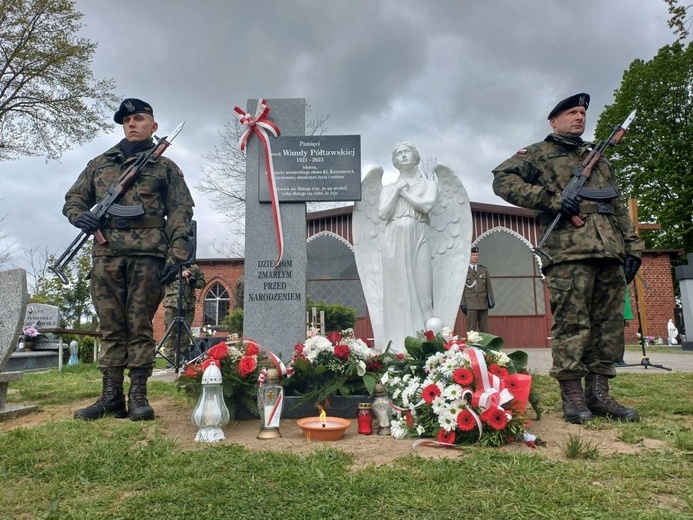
[(505, 236)]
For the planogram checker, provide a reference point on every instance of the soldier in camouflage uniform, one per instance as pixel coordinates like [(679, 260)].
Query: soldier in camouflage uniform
[(589, 266), (141, 255), (193, 278)]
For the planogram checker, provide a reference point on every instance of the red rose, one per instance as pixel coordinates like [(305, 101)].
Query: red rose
[(218, 351), (446, 437), (246, 365), (465, 420), (342, 352), (298, 348), (191, 372), (399, 355), (334, 337), (208, 362), (430, 336), (463, 376), (252, 349), (374, 366)]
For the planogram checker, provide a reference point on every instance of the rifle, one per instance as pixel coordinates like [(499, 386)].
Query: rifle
[(107, 206), (576, 186)]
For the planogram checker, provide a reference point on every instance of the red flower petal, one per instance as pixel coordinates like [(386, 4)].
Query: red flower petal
[(429, 335), (465, 420), (446, 437), (463, 376), (218, 351), (252, 349), (430, 393)]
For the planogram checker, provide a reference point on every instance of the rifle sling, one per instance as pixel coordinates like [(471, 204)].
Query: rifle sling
[(138, 223)]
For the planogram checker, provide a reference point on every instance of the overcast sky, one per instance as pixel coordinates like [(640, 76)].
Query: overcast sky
[(468, 82)]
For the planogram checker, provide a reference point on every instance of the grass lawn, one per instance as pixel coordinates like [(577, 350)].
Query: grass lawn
[(64, 469)]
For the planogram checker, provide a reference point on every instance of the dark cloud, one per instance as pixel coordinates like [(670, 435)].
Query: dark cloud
[(467, 82)]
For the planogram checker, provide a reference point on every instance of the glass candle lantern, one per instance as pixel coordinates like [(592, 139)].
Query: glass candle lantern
[(270, 402), (211, 413), (382, 409), (364, 417)]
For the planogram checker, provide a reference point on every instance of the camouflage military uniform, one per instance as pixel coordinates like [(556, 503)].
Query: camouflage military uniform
[(125, 284), (188, 300), (585, 274)]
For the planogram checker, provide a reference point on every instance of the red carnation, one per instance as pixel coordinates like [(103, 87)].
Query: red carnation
[(496, 418), (463, 376), (446, 437), (430, 393), (334, 337), (342, 352), (218, 351), (465, 420), (430, 336), (498, 370), (252, 349), (246, 365)]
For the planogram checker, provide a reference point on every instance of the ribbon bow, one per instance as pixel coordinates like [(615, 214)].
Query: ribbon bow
[(260, 125), (491, 392)]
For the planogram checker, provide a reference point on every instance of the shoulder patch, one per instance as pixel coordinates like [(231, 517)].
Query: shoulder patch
[(180, 173), (522, 151)]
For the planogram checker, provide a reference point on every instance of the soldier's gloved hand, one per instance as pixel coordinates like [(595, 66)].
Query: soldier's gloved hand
[(491, 305), (569, 205), (630, 267), (464, 309), (168, 274), (192, 281), (87, 222)]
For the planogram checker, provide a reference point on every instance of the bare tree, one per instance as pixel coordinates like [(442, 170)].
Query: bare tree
[(223, 177), (49, 98)]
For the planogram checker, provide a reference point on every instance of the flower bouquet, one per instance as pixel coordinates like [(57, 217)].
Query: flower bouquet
[(241, 363), (459, 392), (336, 364), (30, 331)]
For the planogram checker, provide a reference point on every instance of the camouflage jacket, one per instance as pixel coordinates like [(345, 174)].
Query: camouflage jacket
[(187, 288), (535, 177), (159, 187)]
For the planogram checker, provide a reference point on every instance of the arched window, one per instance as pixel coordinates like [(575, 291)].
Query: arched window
[(331, 274), (217, 304)]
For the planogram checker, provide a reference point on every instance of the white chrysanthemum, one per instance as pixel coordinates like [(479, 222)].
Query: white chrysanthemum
[(453, 392), (439, 405), (396, 392), (447, 422), (455, 407), (398, 429), (420, 430)]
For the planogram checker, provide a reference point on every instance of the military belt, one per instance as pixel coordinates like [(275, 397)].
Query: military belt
[(138, 223), (603, 208)]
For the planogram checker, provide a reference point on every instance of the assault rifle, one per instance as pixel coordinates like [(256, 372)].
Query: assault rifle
[(107, 206), (576, 187)]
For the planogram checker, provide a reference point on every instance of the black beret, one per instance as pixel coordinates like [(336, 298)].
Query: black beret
[(578, 100), (475, 249), (132, 106)]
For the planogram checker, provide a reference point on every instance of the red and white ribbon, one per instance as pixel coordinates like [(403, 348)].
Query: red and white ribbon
[(261, 125), (491, 392), (278, 363)]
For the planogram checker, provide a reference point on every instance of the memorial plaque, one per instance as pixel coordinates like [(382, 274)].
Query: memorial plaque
[(324, 168)]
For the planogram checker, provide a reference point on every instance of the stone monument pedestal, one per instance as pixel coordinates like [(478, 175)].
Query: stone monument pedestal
[(10, 411)]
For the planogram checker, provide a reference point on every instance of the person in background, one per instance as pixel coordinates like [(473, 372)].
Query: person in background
[(140, 256), (587, 268), (477, 297), (627, 316)]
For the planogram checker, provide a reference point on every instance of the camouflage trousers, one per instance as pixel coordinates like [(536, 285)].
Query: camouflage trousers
[(126, 293), (587, 302), (168, 347)]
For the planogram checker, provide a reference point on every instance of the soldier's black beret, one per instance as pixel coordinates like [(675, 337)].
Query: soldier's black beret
[(578, 100), (131, 106), (475, 249)]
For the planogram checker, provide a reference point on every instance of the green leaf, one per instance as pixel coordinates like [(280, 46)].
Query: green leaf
[(369, 382), (519, 359)]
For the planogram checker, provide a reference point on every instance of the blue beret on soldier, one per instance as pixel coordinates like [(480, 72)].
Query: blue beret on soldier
[(578, 100), (132, 106)]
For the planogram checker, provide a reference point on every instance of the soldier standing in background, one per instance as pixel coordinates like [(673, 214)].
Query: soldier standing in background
[(477, 297), (140, 256), (589, 266), (193, 278)]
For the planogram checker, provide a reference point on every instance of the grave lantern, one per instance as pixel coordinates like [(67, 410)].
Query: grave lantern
[(211, 413)]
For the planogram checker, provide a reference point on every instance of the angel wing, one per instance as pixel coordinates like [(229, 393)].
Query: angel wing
[(451, 239), (366, 226)]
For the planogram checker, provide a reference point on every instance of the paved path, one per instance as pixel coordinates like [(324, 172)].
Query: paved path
[(682, 361)]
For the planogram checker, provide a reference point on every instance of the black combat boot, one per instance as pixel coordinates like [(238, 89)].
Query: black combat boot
[(574, 408), (601, 403), (111, 402), (138, 406)]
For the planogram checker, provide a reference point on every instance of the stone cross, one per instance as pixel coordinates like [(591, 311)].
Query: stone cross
[(275, 297)]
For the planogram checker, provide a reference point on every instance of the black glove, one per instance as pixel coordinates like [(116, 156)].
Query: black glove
[(464, 309), (192, 281), (570, 205), (168, 274), (491, 305), (630, 267), (87, 222)]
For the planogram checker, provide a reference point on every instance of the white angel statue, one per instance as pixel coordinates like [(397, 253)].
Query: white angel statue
[(412, 244), (672, 332)]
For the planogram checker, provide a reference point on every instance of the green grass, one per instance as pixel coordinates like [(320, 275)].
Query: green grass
[(116, 469)]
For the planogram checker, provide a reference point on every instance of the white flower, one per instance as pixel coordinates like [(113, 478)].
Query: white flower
[(473, 337), (420, 430), (360, 368), (453, 392), (398, 428)]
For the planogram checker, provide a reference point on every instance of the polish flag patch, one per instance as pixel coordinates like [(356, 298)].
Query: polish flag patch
[(522, 151)]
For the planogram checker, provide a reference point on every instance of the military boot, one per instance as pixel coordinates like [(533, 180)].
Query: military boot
[(574, 408), (111, 402), (602, 404), (138, 406)]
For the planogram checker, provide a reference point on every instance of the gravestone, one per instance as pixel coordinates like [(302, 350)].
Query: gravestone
[(274, 297), (43, 316), (13, 298), (684, 274)]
